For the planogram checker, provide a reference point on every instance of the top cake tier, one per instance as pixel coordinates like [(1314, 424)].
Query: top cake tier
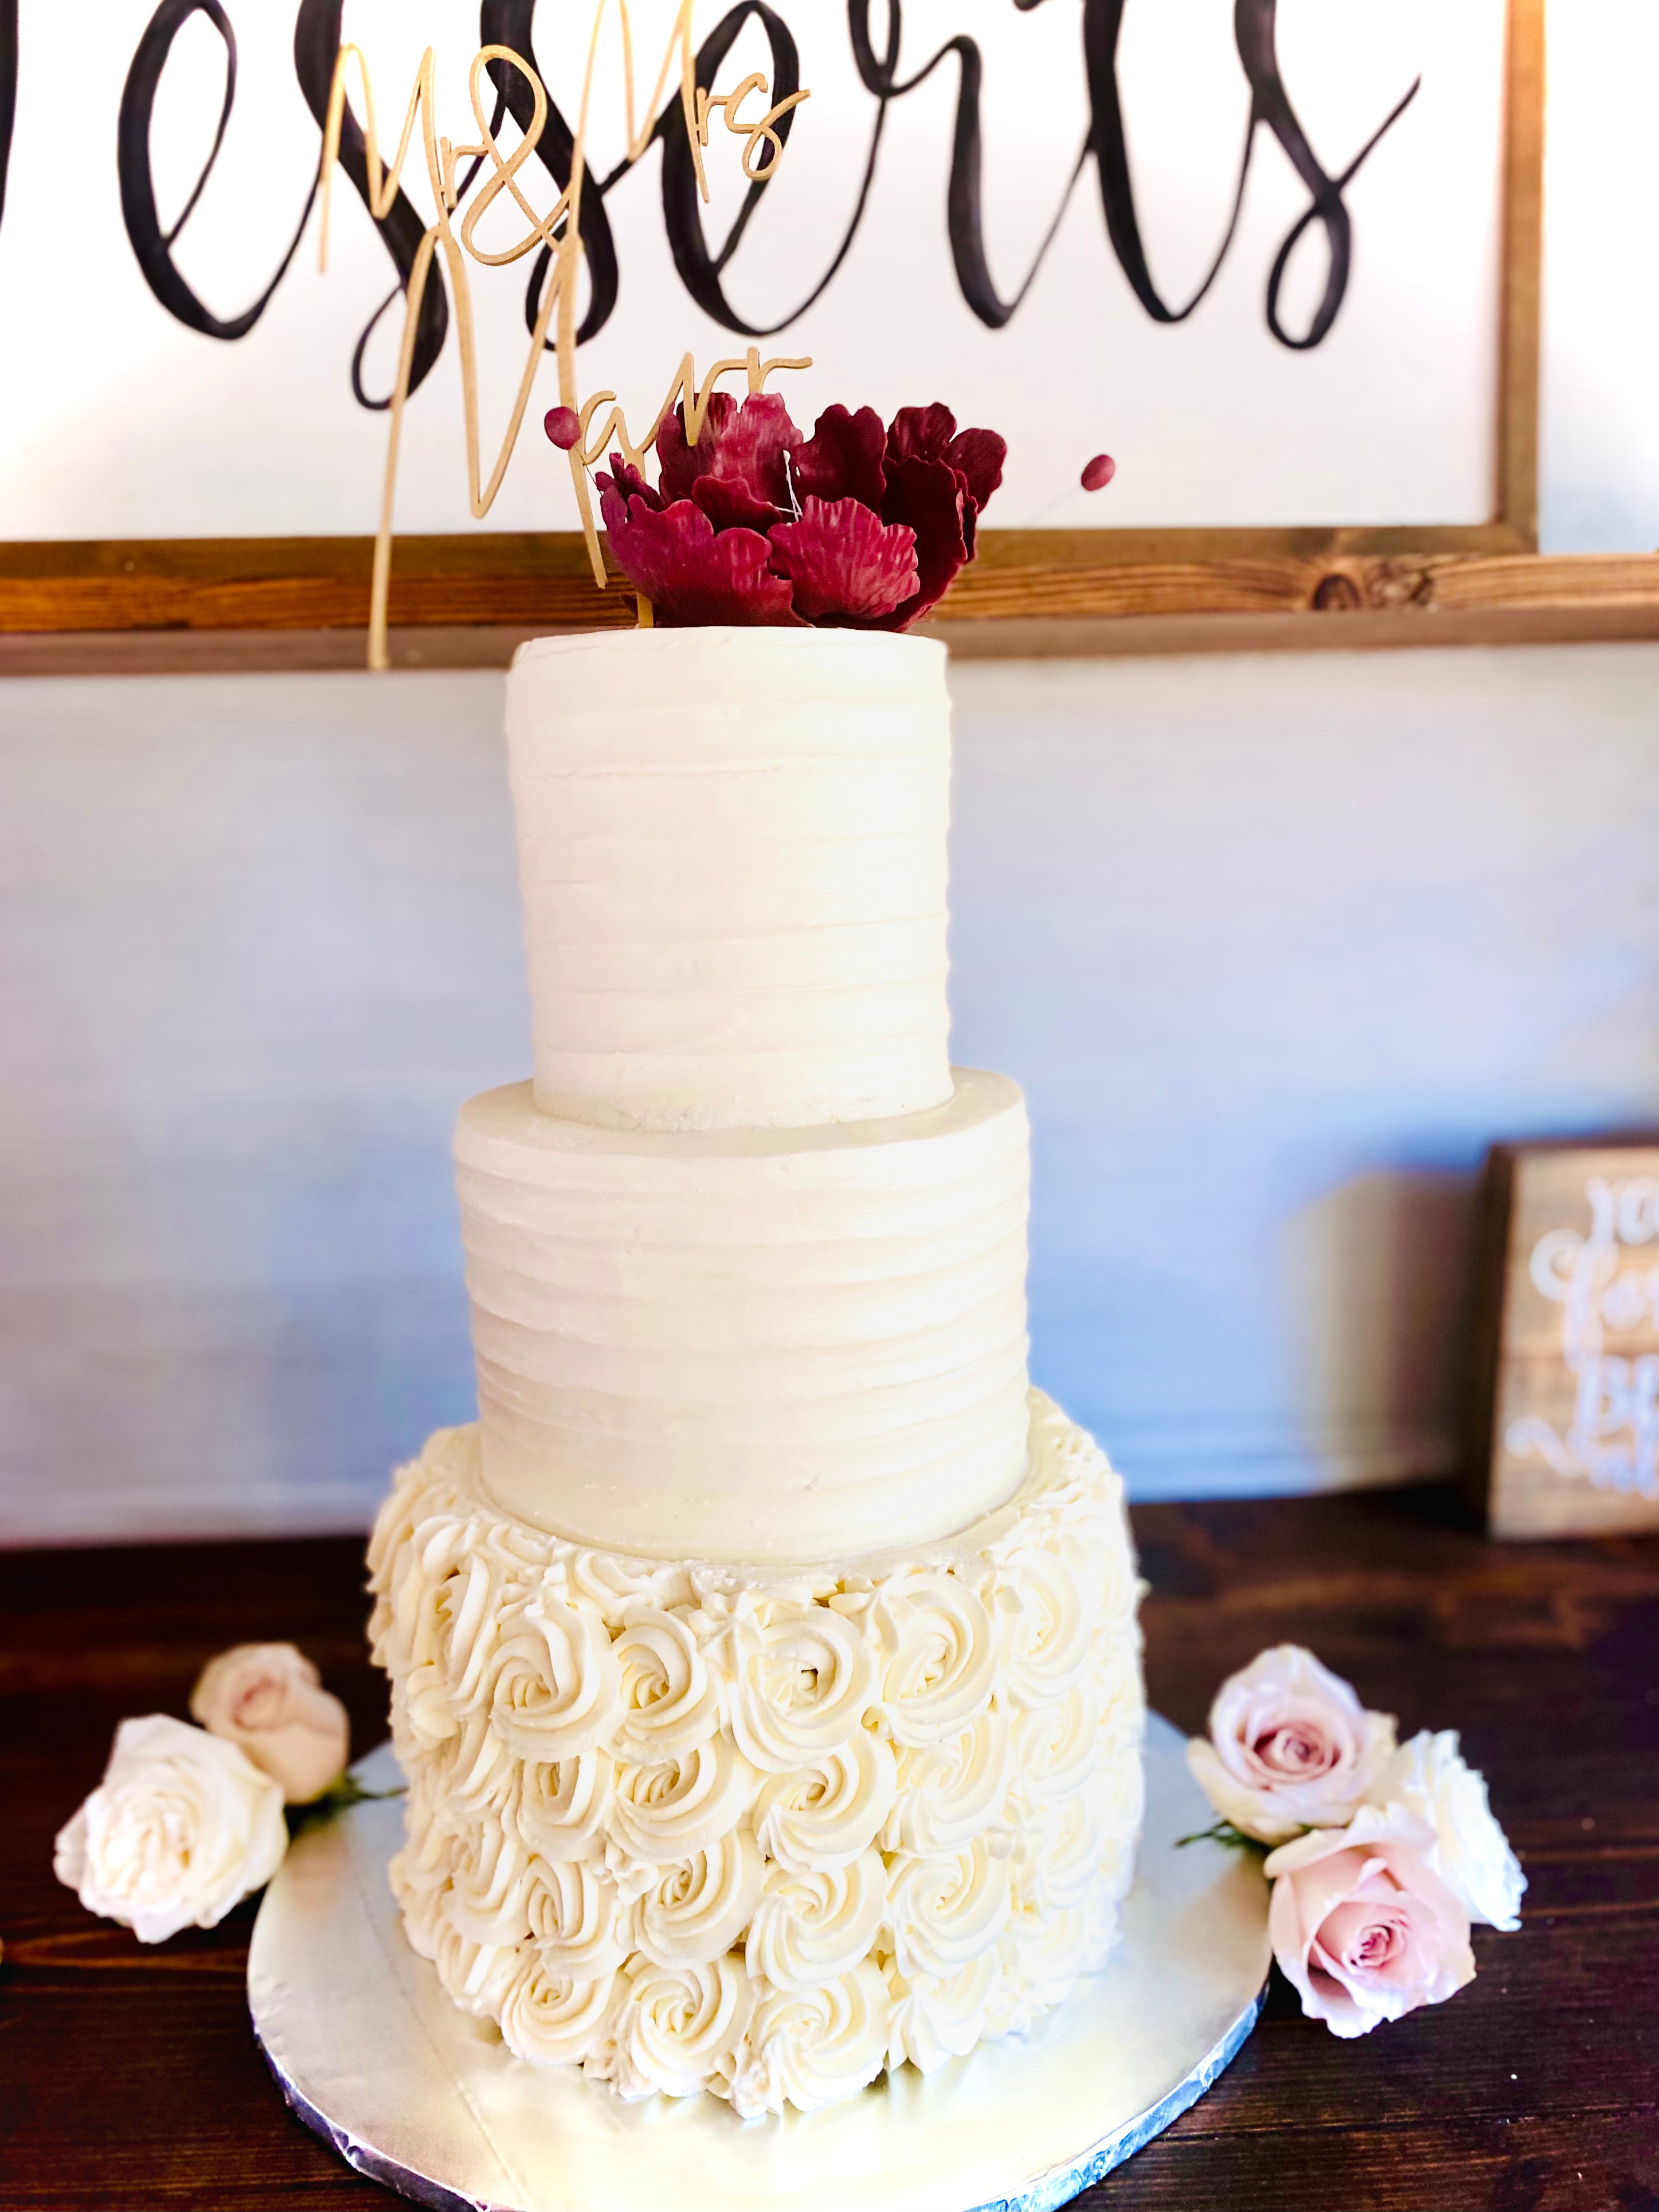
[(731, 850)]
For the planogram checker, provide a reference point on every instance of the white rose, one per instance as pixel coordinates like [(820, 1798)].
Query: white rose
[(1040, 1956), (549, 2020), (488, 1869), (1119, 1690), (1122, 1783), (472, 1772), (813, 2048), (699, 1908), (447, 1608), (556, 1688), (1055, 1746), (1290, 1747), (939, 1649), (268, 1699), (1047, 1626), (1471, 1853), (616, 1584), (675, 1807), (801, 1685), (476, 1975), (1056, 1855), (831, 1810), (419, 1878), (949, 1793), (560, 1806), (181, 1828), (939, 2017), (671, 1703), (809, 1928), (427, 1489), (946, 1909), (676, 2029), (581, 1923)]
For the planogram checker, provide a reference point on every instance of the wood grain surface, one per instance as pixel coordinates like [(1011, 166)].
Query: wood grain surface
[(542, 582), (129, 2079), (1009, 637)]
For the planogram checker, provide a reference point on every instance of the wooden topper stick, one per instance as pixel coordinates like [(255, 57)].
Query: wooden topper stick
[(559, 231), (685, 392)]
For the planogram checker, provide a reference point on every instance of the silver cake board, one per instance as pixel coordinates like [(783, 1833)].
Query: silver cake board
[(370, 2053)]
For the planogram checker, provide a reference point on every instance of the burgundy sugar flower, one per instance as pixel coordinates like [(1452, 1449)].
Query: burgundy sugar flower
[(855, 526), (845, 563), (689, 571)]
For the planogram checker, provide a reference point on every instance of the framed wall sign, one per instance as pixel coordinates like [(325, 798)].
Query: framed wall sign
[(1564, 1438), (1279, 257)]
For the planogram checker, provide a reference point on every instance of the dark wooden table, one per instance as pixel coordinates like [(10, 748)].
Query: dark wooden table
[(128, 2077)]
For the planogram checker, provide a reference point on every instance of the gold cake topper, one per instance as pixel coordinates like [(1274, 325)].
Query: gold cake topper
[(560, 232)]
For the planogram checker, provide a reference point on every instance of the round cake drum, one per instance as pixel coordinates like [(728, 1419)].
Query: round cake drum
[(371, 2054)]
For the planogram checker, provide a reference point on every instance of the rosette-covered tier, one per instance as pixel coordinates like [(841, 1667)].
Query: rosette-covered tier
[(763, 1662), (697, 1827)]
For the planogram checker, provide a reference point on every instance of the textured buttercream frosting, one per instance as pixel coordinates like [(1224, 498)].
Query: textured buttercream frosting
[(763, 1662), (762, 1833), (755, 1344), (731, 850)]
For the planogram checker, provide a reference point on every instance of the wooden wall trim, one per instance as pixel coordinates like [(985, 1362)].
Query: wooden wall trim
[(455, 646), (1520, 331), (539, 584)]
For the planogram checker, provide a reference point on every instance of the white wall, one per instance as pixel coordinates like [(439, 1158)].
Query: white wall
[(1599, 420), (1277, 943)]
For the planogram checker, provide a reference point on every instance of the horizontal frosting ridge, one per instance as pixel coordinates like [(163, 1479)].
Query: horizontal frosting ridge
[(732, 859), (739, 1339)]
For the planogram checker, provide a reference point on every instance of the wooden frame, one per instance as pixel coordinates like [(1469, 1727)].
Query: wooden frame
[(522, 579)]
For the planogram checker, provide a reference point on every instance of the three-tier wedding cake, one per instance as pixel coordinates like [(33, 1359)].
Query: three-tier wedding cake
[(763, 1662)]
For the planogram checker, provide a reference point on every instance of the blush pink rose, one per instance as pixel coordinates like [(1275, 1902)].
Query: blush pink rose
[(268, 1699), (1290, 1747), (1362, 1925)]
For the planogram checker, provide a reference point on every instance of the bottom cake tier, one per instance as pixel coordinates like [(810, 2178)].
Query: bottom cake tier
[(697, 1827)]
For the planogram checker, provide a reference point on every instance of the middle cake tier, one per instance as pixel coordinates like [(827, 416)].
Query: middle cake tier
[(753, 1344)]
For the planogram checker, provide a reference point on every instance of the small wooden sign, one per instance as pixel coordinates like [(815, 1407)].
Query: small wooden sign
[(1564, 1428)]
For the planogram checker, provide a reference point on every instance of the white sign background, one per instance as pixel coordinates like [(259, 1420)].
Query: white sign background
[(117, 421)]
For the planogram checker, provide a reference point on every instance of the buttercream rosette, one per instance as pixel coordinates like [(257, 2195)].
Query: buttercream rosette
[(695, 1827)]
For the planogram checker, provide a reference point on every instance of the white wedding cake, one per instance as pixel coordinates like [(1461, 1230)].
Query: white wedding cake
[(764, 1664)]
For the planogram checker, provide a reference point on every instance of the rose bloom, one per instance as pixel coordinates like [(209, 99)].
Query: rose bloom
[(1290, 1747), (180, 1829), (1472, 1855), (1361, 1923), (268, 1699)]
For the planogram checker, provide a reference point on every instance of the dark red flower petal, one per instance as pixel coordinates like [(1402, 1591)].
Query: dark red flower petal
[(977, 457), (730, 505), (613, 503), (748, 444), (842, 458), (676, 465), (921, 432), (743, 444), (629, 482), (690, 572), (928, 496), (563, 427), (1098, 473), (847, 565)]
